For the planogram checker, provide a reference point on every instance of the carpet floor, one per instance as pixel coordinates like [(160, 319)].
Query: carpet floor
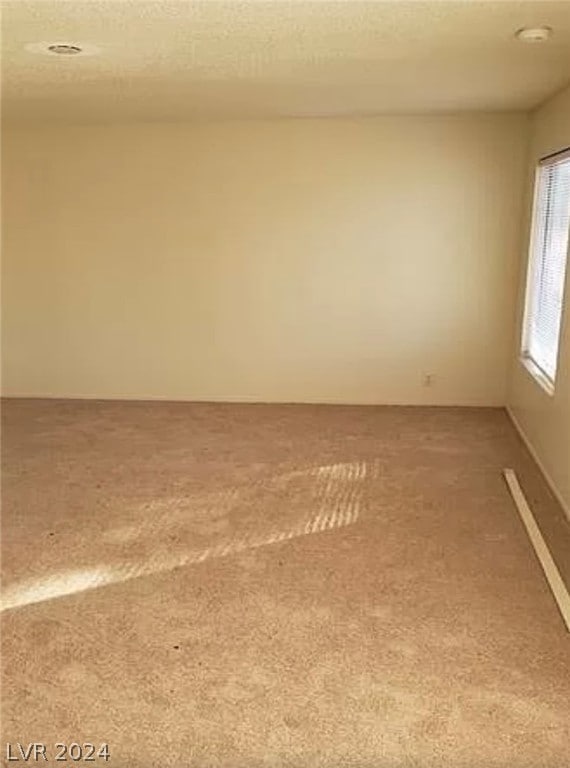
[(215, 585)]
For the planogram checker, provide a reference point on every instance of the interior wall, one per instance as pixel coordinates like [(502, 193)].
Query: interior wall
[(545, 419), (292, 260)]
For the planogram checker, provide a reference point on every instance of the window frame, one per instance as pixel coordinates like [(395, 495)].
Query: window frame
[(547, 382)]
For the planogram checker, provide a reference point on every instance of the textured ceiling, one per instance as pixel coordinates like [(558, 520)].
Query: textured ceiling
[(179, 59)]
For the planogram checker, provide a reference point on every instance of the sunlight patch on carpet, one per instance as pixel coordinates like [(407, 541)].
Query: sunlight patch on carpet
[(72, 582)]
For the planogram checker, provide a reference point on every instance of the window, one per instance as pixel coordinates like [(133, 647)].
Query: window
[(546, 268)]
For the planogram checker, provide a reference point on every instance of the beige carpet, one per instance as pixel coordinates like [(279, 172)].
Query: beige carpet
[(240, 585)]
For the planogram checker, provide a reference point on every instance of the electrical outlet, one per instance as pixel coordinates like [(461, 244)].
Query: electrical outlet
[(428, 379)]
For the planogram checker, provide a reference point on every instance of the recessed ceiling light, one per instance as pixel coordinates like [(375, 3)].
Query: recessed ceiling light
[(63, 49), (534, 34)]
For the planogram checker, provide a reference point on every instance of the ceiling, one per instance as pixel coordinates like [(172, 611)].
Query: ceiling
[(183, 59)]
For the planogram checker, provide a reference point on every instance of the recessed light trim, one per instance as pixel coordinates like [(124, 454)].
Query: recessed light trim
[(63, 49), (534, 34)]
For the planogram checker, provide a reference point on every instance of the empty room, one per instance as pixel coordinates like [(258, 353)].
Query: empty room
[(285, 383)]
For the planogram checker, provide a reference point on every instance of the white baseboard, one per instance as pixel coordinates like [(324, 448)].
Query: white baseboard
[(539, 463), (555, 581)]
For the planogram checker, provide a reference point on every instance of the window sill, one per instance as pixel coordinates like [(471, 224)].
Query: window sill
[(541, 379)]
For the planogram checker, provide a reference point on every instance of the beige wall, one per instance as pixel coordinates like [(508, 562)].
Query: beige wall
[(545, 419), (307, 260)]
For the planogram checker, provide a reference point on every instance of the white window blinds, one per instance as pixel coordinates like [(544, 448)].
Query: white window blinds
[(547, 267)]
